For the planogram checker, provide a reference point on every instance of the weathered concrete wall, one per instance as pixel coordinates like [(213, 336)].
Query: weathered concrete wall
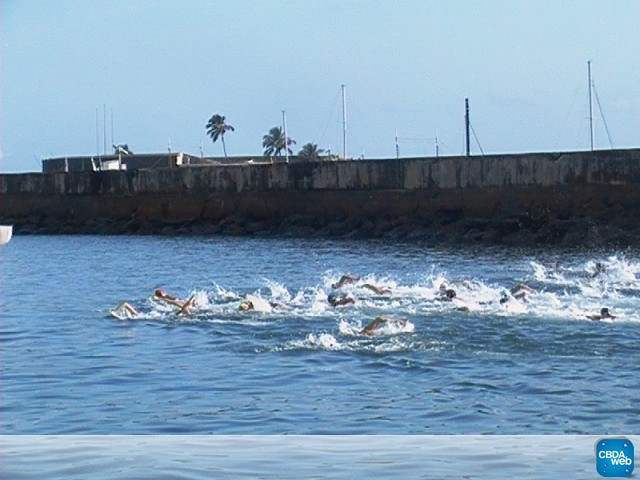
[(550, 197), (547, 169)]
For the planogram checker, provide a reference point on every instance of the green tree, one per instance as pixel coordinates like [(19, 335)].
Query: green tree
[(310, 152), (274, 142), (216, 128)]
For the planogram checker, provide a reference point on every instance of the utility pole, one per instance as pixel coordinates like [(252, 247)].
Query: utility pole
[(466, 125)]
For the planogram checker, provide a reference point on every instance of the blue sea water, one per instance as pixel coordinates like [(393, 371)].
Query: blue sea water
[(472, 366)]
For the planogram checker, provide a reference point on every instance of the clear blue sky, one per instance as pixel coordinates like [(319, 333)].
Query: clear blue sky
[(164, 67)]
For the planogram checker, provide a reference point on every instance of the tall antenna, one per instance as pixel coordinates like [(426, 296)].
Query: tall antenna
[(590, 104), (286, 143), (344, 122), (437, 146), (466, 125), (104, 127)]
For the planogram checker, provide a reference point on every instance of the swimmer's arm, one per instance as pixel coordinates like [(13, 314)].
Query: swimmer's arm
[(169, 300), (127, 307), (187, 305), (345, 279), (130, 309), (175, 302), (369, 329), (378, 290)]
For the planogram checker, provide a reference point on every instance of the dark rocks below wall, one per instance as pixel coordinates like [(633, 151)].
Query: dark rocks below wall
[(521, 230)]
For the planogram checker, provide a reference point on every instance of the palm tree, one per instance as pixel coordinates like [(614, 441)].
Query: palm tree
[(216, 128), (310, 152), (274, 142)]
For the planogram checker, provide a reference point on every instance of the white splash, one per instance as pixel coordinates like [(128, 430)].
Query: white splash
[(323, 340)]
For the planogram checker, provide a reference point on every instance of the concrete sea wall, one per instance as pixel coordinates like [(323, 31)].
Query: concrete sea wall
[(576, 197)]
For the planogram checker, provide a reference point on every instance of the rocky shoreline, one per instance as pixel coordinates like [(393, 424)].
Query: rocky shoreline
[(522, 230)]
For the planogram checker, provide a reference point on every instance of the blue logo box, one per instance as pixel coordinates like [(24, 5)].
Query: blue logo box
[(614, 457)]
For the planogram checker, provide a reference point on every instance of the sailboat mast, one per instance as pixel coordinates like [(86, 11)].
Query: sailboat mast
[(466, 125), (344, 123), (590, 104)]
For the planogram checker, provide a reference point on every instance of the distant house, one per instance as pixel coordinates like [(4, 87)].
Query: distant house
[(133, 161), (137, 161)]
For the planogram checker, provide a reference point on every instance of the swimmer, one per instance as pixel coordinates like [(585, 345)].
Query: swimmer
[(520, 292), (450, 295), (344, 280), (336, 299), (184, 307), (604, 313), (378, 323), (446, 294), (246, 305), (165, 297), (600, 268)]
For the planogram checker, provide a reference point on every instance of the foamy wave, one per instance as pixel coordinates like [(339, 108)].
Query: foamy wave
[(322, 341), (561, 292)]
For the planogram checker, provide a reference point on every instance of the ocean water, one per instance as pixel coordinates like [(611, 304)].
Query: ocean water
[(471, 366)]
